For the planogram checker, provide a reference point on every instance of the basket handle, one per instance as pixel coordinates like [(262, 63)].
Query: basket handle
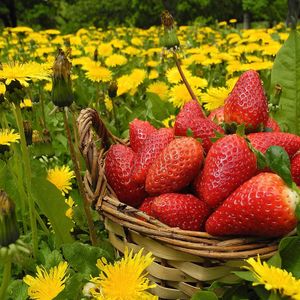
[(92, 130)]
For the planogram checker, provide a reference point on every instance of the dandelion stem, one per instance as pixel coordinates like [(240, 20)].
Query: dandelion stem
[(6, 276), (77, 171), (43, 108), (27, 173)]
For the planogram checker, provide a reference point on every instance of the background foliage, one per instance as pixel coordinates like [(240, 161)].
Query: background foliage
[(70, 15)]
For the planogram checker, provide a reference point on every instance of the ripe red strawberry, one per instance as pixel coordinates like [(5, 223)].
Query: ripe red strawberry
[(272, 125), (146, 206), (247, 103), (228, 164), (263, 140), (217, 115), (201, 126), (295, 168), (152, 147), (175, 167), (139, 132), (180, 210), (118, 170), (263, 206)]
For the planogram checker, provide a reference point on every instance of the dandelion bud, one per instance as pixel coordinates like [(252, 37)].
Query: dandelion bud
[(96, 55), (28, 132), (112, 89), (169, 38), (62, 94), (15, 92), (8, 224)]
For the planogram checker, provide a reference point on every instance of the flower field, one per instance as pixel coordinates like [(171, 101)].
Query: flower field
[(52, 244)]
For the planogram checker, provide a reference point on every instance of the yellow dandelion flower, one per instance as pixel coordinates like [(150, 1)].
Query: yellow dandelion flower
[(48, 86), (174, 77), (136, 42), (152, 63), (61, 178), (169, 122), (137, 77), (160, 88), (115, 60), (124, 85), (153, 74), (232, 21), (112, 284), (179, 95), (214, 97), (2, 88), (97, 73), (23, 72), (131, 50), (108, 103), (222, 23), (105, 49), (7, 136), (26, 103), (274, 279), (197, 82), (47, 285), (69, 212)]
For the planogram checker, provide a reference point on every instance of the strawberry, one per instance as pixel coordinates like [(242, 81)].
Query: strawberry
[(139, 132), (146, 206), (180, 210), (201, 126), (175, 167), (263, 140), (152, 147), (118, 170), (217, 115), (272, 125), (247, 103), (262, 206), (228, 164), (295, 168)]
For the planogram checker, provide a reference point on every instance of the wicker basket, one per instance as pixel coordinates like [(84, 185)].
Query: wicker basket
[(185, 261)]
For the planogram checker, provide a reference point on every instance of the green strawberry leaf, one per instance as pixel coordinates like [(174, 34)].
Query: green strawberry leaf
[(286, 75), (189, 132), (240, 130), (246, 275), (204, 295), (218, 135), (260, 158), (279, 162)]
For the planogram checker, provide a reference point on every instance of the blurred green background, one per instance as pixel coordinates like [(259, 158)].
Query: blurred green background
[(70, 15)]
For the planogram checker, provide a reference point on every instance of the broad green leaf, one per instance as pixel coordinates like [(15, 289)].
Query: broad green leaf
[(261, 292), (275, 260), (286, 75), (73, 288), (53, 206), (279, 162), (83, 257), (17, 290), (289, 249), (204, 295), (246, 275)]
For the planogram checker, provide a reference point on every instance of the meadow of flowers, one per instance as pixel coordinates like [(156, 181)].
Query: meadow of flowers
[(49, 238)]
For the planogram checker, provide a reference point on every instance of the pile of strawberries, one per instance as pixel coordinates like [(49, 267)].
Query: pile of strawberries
[(196, 176)]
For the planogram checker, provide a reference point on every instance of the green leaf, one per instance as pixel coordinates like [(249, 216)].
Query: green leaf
[(83, 257), (275, 260), (289, 249), (246, 275), (73, 288), (279, 162), (189, 132), (286, 74), (53, 206), (204, 295), (17, 290), (297, 211)]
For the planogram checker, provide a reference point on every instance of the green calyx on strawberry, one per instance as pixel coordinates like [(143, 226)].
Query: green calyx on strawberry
[(175, 167), (184, 211), (247, 103), (262, 206), (228, 164)]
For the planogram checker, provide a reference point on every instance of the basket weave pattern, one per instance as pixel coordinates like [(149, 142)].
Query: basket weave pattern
[(185, 260)]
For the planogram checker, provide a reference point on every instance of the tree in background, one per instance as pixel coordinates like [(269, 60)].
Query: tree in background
[(70, 15)]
